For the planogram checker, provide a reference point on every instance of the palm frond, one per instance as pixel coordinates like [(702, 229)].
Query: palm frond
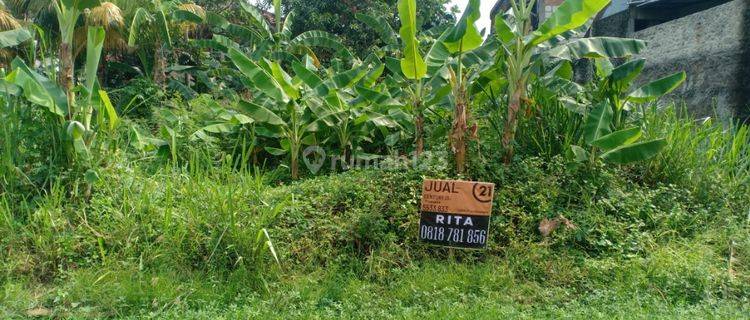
[(8, 21), (107, 15), (189, 27), (30, 9), (110, 17)]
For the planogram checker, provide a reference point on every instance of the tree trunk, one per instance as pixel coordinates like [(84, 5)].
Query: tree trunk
[(255, 151), (511, 123), (160, 66), (419, 129), (348, 157), (295, 167), (458, 133), (66, 76)]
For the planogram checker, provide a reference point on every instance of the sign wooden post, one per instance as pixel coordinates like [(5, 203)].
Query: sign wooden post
[(456, 213)]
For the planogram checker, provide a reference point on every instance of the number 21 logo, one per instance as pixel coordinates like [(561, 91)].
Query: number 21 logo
[(482, 192)]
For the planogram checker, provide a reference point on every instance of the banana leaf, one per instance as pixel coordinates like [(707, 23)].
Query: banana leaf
[(259, 77), (622, 76), (657, 89), (261, 114), (599, 47), (381, 27), (12, 38), (570, 15), (464, 36), (635, 152), (618, 138), (598, 122), (412, 63)]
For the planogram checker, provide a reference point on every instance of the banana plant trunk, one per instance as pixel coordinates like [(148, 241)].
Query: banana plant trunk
[(511, 122), (347, 157), (160, 65), (295, 147), (419, 128), (458, 134), (294, 166), (66, 75), (346, 146)]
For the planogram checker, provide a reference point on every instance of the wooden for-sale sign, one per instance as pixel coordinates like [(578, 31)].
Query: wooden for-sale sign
[(456, 213)]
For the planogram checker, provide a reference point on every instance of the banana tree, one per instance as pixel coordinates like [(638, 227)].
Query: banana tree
[(605, 127), (413, 66), (68, 12), (276, 40), (279, 110), (525, 50), (619, 147), (345, 104), (458, 41), (410, 75), (449, 68), (10, 109), (615, 82), (78, 122), (152, 26)]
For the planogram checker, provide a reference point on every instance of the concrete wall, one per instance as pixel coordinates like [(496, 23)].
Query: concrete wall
[(616, 25), (711, 46)]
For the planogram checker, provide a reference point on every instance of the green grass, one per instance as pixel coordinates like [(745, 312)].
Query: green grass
[(432, 289)]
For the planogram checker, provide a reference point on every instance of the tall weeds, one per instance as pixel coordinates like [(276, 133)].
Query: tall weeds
[(704, 155), (196, 220)]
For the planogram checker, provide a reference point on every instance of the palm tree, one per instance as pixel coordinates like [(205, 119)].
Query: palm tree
[(110, 17), (40, 11), (7, 22)]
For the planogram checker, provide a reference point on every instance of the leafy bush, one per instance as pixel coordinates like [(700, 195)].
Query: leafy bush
[(139, 98), (353, 215)]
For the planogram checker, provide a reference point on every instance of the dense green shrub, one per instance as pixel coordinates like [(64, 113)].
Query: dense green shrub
[(139, 98)]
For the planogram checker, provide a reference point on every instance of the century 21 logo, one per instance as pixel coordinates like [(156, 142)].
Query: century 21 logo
[(482, 192)]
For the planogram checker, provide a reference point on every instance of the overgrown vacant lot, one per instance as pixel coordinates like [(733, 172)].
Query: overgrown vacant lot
[(162, 244), (267, 160)]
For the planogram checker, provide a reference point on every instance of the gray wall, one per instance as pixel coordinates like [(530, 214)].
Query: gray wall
[(711, 46)]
